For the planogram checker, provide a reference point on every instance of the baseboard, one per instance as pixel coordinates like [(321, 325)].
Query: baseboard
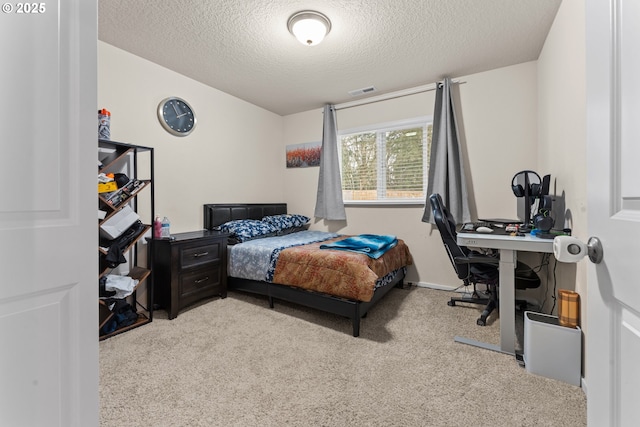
[(434, 286), (520, 294), (459, 289)]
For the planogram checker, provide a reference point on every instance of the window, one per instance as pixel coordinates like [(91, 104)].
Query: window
[(386, 163)]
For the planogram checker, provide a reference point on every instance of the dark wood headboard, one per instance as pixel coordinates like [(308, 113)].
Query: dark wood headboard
[(216, 214)]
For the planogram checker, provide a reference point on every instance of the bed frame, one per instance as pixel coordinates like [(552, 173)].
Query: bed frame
[(216, 214)]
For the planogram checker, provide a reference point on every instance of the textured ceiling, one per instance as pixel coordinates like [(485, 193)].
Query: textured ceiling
[(243, 47)]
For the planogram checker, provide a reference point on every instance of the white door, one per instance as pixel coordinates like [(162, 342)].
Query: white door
[(48, 239), (612, 371)]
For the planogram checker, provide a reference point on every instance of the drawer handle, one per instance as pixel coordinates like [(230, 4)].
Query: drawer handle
[(200, 254), (201, 280)]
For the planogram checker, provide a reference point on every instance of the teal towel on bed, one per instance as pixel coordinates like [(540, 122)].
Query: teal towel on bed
[(372, 245)]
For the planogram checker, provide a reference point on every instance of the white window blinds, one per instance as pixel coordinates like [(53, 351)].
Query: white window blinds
[(389, 163)]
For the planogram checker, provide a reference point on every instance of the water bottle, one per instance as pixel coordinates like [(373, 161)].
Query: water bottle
[(104, 124), (157, 228), (165, 233)]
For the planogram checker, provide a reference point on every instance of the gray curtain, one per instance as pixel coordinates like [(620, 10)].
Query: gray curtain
[(446, 166), (329, 204)]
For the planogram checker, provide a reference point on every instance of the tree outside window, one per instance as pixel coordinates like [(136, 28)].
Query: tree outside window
[(386, 164)]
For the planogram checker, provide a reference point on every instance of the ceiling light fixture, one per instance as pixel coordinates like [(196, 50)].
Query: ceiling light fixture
[(309, 27)]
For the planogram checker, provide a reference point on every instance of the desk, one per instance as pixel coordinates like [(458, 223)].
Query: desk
[(508, 247)]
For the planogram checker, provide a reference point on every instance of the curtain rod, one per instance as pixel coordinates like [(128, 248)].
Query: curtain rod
[(392, 95)]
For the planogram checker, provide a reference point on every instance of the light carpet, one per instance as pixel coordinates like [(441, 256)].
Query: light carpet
[(235, 362)]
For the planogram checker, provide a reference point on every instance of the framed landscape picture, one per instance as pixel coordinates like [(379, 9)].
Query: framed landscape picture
[(304, 155)]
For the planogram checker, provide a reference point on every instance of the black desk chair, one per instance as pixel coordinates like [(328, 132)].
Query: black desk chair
[(475, 268)]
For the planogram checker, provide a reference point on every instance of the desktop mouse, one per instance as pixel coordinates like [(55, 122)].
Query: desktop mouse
[(484, 230)]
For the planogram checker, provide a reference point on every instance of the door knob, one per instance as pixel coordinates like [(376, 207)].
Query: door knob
[(571, 249)]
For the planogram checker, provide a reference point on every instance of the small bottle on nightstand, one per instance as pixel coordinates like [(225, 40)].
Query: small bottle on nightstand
[(157, 228), (165, 232)]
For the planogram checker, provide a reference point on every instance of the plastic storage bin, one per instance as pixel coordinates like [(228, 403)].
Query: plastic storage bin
[(551, 350)]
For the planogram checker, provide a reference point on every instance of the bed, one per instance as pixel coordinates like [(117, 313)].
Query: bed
[(312, 289)]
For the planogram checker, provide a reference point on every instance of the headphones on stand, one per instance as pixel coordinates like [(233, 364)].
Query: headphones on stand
[(530, 190), (534, 187)]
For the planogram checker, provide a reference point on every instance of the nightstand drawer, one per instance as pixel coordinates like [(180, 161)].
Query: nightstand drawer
[(199, 255), (200, 280), (189, 267)]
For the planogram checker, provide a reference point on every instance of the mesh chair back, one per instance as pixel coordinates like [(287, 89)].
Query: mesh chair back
[(447, 228)]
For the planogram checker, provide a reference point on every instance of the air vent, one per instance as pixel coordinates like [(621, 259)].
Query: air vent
[(362, 91)]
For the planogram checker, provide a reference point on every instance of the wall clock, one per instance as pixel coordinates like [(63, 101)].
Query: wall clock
[(176, 116)]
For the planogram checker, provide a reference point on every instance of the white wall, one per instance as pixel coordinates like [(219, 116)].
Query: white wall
[(498, 121), (233, 155), (562, 128)]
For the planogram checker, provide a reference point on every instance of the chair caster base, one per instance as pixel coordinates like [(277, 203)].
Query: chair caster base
[(481, 322)]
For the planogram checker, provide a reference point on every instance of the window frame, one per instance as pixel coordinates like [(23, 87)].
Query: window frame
[(421, 121)]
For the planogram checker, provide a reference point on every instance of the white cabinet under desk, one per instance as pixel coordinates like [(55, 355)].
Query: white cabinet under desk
[(508, 247)]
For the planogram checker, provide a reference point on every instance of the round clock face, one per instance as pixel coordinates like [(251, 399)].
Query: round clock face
[(176, 116)]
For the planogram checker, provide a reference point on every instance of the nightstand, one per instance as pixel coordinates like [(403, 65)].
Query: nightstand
[(189, 267)]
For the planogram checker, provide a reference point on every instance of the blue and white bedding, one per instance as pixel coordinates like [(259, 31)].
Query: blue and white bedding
[(256, 259)]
